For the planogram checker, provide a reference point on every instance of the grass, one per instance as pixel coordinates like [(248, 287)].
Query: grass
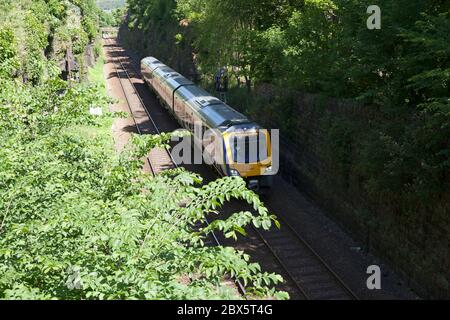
[(96, 74), (102, 132)]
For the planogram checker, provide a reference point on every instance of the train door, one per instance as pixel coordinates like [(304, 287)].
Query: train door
[(208, 147), (168, 96), (213, 149), (150, 80), (188, 118), (191, 120), (179, 109)]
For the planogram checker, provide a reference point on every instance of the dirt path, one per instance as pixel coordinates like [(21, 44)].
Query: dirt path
[(121, 131)]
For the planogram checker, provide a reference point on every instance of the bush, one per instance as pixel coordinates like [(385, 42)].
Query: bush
[(9, 63), (78, 221)]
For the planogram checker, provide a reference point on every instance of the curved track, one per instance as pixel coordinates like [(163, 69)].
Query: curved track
[(165, 153), (311, 276)]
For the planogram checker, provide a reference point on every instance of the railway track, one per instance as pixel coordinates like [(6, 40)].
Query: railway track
[(311, 276), (159, 159)]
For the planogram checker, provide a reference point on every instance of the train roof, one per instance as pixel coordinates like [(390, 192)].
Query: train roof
[(172, 78), (165, 71), (152, 63), (196, 96), (217, 114), (222, 116)]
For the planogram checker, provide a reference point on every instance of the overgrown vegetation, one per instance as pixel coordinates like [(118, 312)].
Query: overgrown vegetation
[(112, 18), (43, 31), (78, 221), (393, 152), (112, 12), (323, 46)]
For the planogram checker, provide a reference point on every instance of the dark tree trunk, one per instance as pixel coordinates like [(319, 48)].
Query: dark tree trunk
[(248, 83)]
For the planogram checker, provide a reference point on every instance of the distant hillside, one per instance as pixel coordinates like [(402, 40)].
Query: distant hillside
[(110, 4)]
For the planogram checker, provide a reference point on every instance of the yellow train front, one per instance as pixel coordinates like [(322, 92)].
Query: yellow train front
[(230, 142)]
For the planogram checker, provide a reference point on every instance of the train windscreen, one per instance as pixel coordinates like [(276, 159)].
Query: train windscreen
[(249, 148)]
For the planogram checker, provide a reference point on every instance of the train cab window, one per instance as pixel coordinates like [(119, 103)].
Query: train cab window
[(249, 148)]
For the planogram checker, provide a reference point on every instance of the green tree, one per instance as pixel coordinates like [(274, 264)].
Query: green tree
[(9, 63), (77, 220)]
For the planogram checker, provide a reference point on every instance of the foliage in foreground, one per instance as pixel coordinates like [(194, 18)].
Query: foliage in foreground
[(78, 221)]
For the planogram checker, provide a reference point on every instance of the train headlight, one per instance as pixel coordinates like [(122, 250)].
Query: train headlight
[(269, 169), (234, 173)]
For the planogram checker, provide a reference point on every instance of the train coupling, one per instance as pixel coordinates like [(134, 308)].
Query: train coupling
[(254, 185)]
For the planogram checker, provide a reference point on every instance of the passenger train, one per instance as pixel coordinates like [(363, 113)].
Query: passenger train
[(233, 144)]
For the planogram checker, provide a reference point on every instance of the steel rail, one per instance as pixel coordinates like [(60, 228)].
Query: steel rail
[(320, 260), (130, 109), (216, 240)]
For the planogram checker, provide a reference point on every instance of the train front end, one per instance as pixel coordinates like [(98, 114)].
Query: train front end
[(249, 155)]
